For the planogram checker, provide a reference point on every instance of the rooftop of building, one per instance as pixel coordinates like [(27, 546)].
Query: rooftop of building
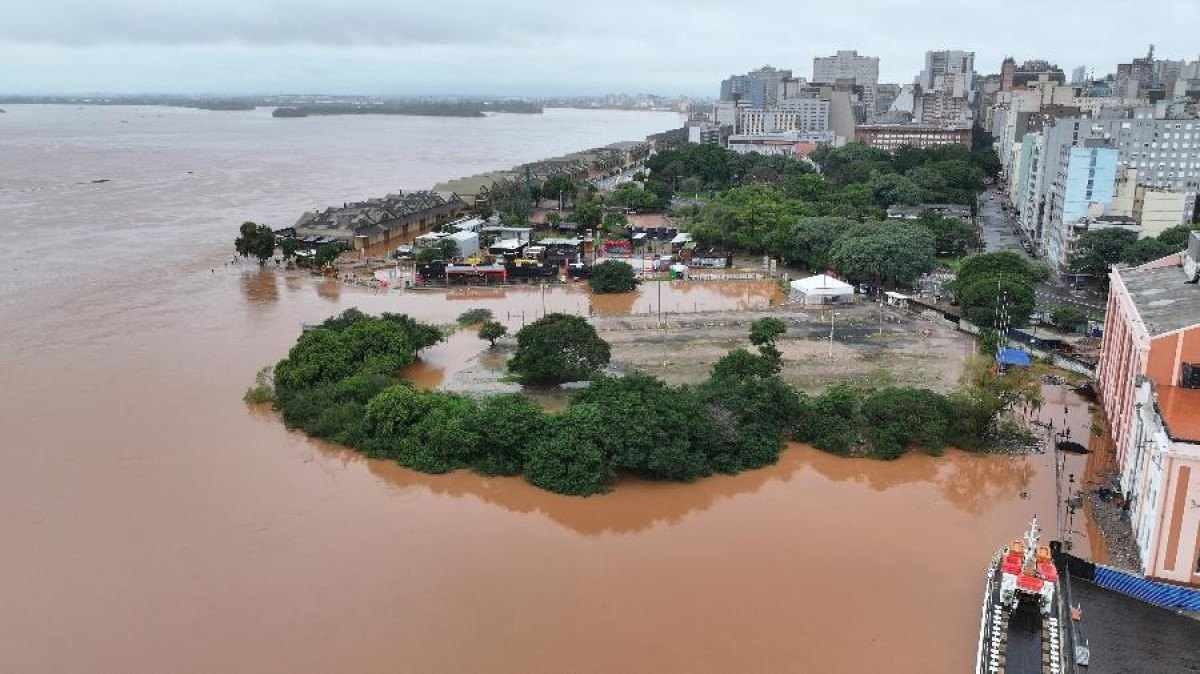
[(1164, 301), (369, 216), (913, 127), (1180, 410), (1127, 635)]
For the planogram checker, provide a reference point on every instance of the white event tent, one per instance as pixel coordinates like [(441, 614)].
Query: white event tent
[(821, 289)]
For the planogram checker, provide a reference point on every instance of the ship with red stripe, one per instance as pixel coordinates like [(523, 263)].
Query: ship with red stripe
[(1020, 631)]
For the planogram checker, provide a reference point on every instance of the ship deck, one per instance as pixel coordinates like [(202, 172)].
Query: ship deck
[(1024, 652)]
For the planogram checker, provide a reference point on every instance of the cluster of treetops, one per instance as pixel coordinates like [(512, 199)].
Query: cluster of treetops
[(1098, 250), (781, 206), (259, 241), (340, 382)]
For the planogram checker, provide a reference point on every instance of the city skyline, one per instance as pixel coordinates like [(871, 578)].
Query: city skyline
[(467, 47)]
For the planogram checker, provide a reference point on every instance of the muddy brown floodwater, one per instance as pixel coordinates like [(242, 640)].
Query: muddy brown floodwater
[(158, 524), (152, 522)]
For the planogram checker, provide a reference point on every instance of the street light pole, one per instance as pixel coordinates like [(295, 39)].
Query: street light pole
[(831, 315), (659, 300)]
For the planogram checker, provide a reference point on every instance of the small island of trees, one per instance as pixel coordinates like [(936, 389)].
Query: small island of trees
[(341, 382)]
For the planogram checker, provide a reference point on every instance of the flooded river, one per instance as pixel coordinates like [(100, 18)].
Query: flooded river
[(154, 523)]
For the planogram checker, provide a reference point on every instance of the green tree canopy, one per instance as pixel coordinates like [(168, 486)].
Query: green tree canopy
[(1146, 250), (569, 458), (588, 213), (1005, 263), (1068, 317), (612, 276), (1099, 249), (763, 333), (288, 247), (558, 348), (766, 331), (893, 253), (898, 417), (808, 241), (1177, 237), (741, 365), (559, 184), (442, 249), (326, 254), (615, 223), (633, 195), (952, 236), (743, 217), (507, 425), (491, 331), (982, 296), (892, 188), (654, 431), (255, 241), (428, 431)]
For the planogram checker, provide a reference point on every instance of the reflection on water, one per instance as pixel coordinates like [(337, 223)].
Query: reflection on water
[(896, 549), (969, 483), (259, 286), (329, 288)]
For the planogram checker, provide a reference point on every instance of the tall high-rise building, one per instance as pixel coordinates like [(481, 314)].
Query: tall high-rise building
[(1086, 177), (844, 65), (1079, 75), (759, 88), (949, 70), (1008, 70)]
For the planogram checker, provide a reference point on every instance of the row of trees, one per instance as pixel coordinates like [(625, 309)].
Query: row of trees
[(258, 241), (1099, 249), (695, 168), (804, 218), (943, 174), (340, 382), (888, 252)]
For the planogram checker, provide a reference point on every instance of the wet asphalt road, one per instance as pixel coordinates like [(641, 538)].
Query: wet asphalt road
[(997, 227)]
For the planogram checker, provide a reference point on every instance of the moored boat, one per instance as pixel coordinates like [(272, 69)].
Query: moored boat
[(1020, 630)]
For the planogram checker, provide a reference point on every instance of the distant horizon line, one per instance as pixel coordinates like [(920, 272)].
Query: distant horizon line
[(210, 94)]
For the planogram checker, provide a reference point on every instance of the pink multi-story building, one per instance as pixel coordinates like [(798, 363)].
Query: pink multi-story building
[(1149, 384)]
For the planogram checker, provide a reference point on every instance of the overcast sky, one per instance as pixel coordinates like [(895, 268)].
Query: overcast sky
[(532, 47)]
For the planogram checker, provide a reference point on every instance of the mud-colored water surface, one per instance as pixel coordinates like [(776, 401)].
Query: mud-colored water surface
[(154, 523)]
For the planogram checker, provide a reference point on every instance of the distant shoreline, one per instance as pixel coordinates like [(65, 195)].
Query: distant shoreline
[(415, 109), (296, 106)]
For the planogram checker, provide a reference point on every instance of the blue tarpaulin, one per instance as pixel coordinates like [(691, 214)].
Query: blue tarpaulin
[(1009, 357)]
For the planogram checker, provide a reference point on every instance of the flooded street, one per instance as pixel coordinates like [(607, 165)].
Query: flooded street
[(155, 523)]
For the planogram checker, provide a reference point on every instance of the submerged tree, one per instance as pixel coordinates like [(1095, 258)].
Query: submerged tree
[(612, 276), (558, 348), (255, 241), (491, 331)]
